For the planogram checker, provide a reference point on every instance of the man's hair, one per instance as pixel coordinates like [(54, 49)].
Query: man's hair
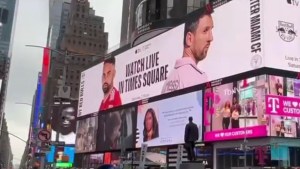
[(191, 119), (110, 60), (192, 21)]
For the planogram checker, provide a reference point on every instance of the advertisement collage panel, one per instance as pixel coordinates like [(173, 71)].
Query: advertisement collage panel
[(283, 107), (236, 110), (261, 106), (160, 124), (161, 65)]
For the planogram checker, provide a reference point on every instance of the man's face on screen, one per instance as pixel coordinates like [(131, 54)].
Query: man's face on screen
[(202, 37), (108, 76)]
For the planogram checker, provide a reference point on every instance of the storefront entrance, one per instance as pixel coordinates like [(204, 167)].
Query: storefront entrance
[(259, 153)]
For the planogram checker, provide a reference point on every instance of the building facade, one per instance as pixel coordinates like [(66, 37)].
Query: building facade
[(59, 11), (85, 32), (137, 13), (7, 20), (81, 41)]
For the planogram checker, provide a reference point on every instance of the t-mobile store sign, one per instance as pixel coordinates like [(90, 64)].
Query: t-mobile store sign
[(282, 106), (231, 134)]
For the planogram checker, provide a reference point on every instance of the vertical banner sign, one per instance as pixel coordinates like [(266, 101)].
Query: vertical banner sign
[(45, 68), (179, 156), (143, 156), (37, 101), (45, 72)]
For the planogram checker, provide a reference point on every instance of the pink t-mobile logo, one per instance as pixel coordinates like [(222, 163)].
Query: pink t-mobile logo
[(273, 103), (261, 155)]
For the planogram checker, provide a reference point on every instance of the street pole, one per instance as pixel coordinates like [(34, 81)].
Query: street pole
[(14, 136), (9, 150)]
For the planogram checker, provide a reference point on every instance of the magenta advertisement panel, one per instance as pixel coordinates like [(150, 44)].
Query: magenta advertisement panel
[(261, 106), (283, 106), (249, 132), (236, 110)]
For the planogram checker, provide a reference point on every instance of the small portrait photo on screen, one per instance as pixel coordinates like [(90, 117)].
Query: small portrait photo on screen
[(150, 125)]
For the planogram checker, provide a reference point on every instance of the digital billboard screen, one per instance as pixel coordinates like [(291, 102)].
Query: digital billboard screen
[(61, 154), (64, 114), (116, 129), (269, 106), (163, 122), (96, 160), (236, 110), (184, 56), (284, 108), (86, 134), (281, 32)]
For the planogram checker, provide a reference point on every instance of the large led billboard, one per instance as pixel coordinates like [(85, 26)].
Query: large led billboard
[(236, 110), (163, 122), (63, 122), (210, 44), (284, 108), (131, 75), (260, 106), (116, 129), (281, 32), (86, 135)]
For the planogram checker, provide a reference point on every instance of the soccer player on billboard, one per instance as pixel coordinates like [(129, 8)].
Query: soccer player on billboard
[(197, 39), (112, 96)]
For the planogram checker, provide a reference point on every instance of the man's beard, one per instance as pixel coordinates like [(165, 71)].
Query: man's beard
[(105, 88)]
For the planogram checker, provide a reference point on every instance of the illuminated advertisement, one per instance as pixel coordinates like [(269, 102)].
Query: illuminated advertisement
[(37, 101), (236, 110), (159, 124), (61, 154), (86, 135), (117, 129), (284, 108), (261, 106), (281, 32), (184, 56), (64, 121), (96, 160)]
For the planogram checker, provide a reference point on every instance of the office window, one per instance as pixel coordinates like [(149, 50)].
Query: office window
[(4, 16)]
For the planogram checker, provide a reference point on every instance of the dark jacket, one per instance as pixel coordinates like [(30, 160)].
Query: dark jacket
[(191, 132)]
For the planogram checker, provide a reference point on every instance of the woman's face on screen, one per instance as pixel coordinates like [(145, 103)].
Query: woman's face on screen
[(149, 121)]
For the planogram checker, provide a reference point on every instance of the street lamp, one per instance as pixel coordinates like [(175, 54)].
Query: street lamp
[(9, 151), (19, 138), (28, 104), (66, 55)]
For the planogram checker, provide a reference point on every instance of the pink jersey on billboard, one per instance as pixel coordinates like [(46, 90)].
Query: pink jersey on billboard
[(185, 74)]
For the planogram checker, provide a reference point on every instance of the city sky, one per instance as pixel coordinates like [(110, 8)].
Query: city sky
[(31, 28)]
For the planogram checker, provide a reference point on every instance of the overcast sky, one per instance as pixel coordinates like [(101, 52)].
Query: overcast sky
[(31, 28)]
